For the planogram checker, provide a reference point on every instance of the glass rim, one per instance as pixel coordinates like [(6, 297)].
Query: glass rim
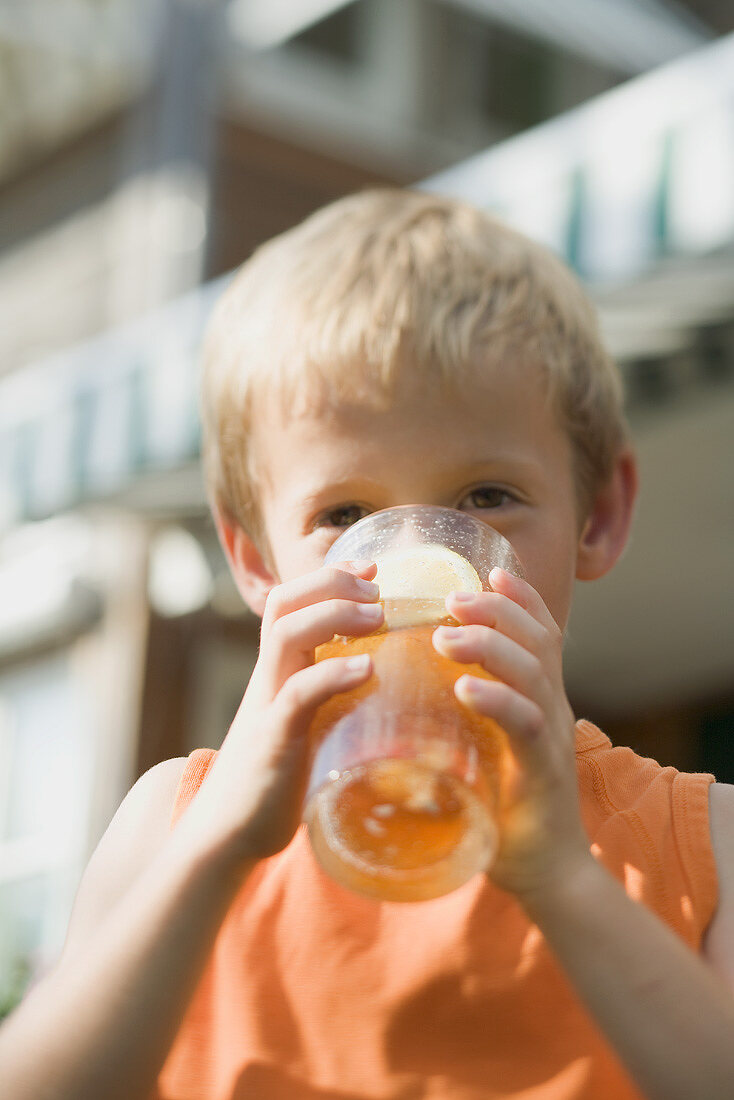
[(347, 546)]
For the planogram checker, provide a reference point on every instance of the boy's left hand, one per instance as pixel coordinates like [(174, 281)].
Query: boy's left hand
[(511, 634)]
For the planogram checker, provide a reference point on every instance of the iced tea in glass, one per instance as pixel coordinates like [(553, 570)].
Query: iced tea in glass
[(405, 783)]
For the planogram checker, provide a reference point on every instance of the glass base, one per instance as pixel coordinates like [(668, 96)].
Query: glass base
[(397, 830)]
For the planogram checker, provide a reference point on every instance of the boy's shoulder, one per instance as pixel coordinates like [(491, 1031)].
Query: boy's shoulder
[(721, 811), (718, 945), (138, 829)]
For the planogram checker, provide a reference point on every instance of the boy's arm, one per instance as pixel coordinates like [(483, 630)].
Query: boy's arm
[(102, 1022), (133, 838), (666, 1012)]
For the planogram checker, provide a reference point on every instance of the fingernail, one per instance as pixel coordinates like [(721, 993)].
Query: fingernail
[(463, 597), (358, 664), (371, 611), (498, 573), (450, 631), (468, 685), (368, 587)]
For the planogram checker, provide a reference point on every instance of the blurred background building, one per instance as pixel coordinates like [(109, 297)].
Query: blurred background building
[(146, 147)]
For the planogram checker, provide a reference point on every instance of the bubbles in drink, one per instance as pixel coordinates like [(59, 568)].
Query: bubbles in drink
[(429, 838)]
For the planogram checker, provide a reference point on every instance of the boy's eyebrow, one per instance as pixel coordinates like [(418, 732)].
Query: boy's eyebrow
[(347, 487), (488, 468)]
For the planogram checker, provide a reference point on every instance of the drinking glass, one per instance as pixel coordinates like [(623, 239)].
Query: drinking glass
[(404, 790)]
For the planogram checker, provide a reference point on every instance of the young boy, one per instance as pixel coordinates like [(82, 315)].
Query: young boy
[(400, 348)]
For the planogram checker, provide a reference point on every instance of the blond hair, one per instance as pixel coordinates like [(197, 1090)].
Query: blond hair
[(385, 282)]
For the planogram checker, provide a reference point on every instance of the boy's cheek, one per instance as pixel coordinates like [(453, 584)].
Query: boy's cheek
[(548, 554), (555, 591), (295, 559)]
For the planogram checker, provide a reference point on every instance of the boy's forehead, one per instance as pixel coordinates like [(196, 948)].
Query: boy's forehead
[(322, 439), (313, 447), (333, 395)]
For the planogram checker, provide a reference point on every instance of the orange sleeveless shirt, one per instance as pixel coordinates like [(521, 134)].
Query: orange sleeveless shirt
[(314, 993)]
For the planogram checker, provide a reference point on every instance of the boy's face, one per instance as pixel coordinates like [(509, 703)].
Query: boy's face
[(499, 454)]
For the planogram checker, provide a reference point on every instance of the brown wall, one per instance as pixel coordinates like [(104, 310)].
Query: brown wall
[(180, 692), (263, 185)]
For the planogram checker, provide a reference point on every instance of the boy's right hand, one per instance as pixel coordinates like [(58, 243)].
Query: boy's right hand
[(251, 801)]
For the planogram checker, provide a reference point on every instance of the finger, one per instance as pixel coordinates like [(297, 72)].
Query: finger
[(293, 638), (523, 594), (307, 689), (342, 581), (522, 720), (495, 610), (363, 567), (497, 654)]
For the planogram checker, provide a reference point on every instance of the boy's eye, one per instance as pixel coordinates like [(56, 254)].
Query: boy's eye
[(343, 516), (487, 496)]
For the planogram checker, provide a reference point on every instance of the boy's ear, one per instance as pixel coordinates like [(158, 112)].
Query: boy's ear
[(247, 565), (607, 526)]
